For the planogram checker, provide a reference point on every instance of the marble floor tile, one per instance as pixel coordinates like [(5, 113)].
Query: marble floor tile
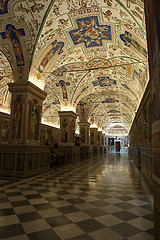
[(68, 231), (94, 199), (78, 216), (35, 226), (105, 233)]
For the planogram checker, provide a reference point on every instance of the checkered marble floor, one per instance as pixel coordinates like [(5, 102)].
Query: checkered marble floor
[(99, 199), (4, 182)]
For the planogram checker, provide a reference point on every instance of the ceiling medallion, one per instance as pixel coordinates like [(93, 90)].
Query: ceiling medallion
[(89, 30)]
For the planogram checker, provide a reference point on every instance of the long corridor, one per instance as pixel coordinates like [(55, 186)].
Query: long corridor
[(100, 199)]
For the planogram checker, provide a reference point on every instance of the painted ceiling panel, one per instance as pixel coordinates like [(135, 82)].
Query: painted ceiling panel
[(89, 53), (5, 78)]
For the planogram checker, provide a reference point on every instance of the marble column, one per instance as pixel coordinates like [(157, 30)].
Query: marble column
[(67, 136), (84, 136), (26, 109), (24, 156), (93, 140), (103, 139), (99, 137), (93, 136), (84, 133), (67, 127)]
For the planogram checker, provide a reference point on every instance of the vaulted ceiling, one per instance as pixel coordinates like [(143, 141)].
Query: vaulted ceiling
[(88, 55)]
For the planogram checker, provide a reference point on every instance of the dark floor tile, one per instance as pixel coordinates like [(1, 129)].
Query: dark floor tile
[(90, 225), (147, 207), (124, 198), (14, 194), (48, 234), (33, 196), (124, 205), (75, 201), (95, 212), (149, 217), (84, 189), (105, 191), (82, 237), (25, 217), (145, 199), (68, 209), (35, 184), (151, 231), (20, 203), (54, 198), (62, 192), (3, 200), (82, 194), (25, 189), (125, 216), (6, 211), (43, 190), (99, 203), (102, 196), (125, 229), (58, 221), (11, 231), (43, 206)]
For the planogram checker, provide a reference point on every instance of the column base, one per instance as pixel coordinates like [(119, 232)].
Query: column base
[(101, 149), (71, 153), (96, 150), (156, 224), (105, 149), (86, 152), (23, 160), (156, 209)]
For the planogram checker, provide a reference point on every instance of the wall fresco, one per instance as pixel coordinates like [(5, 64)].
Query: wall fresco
[(97, 46)]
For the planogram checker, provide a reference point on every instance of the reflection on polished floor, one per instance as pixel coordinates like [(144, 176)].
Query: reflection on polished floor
[(100, 199)]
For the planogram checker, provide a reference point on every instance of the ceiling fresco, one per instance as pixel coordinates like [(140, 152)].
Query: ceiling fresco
[(90, 56)]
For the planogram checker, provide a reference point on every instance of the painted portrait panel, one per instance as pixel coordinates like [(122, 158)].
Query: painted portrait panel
[(33, 122), (92, 138), (64, 131), (17, 119), (72, 131), (83, 135)]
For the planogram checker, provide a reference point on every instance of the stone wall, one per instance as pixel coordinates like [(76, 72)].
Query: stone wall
[(140, 136), (51, 134), (145, 132), (4, 128)]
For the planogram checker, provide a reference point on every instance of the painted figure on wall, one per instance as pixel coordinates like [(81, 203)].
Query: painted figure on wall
[(87, 136), (83, 3), (129, 41), (63, 85), (92, 118), (110, 100), (14, 35), (72, 131), (102, 140), (98, 139), (83, 135), (92, 138), (33, 124), (64, 131), (104, 81), (3, 6), (17, 119), (4, 131), (56, 48), (82, 109)]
